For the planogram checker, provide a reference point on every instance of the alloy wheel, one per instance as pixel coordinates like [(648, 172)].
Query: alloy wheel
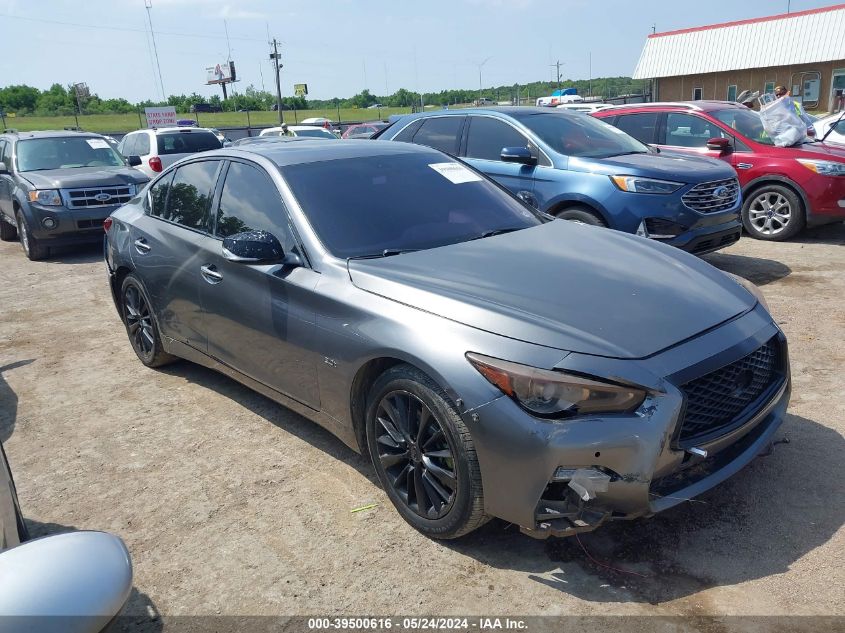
[(769, 213), (139, 322), (415, 454)]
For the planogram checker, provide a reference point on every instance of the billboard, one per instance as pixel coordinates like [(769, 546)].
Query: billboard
[(300, 90), (222, 73), (159, 117)]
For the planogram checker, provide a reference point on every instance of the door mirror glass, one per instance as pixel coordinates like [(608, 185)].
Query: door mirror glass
[(134, 161), (520, 155), (253, 247), (717, 144)]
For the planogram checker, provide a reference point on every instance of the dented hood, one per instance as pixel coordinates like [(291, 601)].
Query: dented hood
[(563, 285)]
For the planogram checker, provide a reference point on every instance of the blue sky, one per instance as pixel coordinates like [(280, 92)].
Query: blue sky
[(342, 46)]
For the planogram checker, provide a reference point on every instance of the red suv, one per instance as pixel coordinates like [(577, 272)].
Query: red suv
[(784, 188)]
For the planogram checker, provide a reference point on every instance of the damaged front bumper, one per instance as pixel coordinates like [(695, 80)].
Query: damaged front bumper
[(557, 478)]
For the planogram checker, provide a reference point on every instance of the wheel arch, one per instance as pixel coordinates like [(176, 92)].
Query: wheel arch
[(572, 200), (366, 376), (775, 179)]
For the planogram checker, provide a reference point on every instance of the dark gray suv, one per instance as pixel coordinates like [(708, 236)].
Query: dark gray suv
[(56, 188)]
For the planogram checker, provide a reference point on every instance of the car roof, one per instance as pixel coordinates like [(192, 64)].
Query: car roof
[(182, 128), (515, 112), (52, 134), (700, 106), (314, 151)]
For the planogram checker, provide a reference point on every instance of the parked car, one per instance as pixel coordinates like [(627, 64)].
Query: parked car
[(159, 148), (375, 106), (251, 140), (564, 164), (587, 108), (484, 101), (835, 121), (205, 107), (490, 360), (363, 130), (56, 188), (784, 188), (309, 131), (318, 120), (77, 581)]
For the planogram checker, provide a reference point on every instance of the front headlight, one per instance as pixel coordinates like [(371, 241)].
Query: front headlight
[(750, 287), (555, 394), (823, 167), (49, 197), (635, 184)]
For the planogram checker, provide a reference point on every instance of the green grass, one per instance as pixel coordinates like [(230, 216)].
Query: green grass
[(105, 123)]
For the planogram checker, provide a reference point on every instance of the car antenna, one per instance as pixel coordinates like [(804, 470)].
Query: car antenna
[(833, 126)]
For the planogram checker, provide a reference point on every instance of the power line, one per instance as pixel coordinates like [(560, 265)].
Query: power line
[(149, 5)]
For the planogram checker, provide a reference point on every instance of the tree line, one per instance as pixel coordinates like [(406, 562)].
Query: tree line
[(62, 100)]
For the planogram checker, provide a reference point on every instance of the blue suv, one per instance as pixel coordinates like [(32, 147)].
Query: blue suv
[(578, 168)]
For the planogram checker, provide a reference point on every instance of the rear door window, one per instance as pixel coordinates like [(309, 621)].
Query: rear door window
[(407, 134), (186, 142), (441, 133), (191, 193), (642, 125), (142, 146), (157, 195), (487, 136)]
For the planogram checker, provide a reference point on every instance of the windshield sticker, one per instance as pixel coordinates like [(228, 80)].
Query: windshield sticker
[(97, 143), (455, 173)]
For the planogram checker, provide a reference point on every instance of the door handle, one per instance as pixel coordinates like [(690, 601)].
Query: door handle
[(210, 274), (141, 246)]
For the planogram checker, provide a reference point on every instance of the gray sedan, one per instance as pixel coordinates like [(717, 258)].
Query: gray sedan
[(493, 362)]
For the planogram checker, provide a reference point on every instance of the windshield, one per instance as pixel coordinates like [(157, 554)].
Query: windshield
[(747, 122), (582, 135), (378, 205), (316, 132), (66, 153)]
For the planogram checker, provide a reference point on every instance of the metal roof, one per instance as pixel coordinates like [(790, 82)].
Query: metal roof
[(802, 37)]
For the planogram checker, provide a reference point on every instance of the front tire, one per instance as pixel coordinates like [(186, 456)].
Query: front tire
[(31, 248), (580, 215), (774, 213), (424, 455), (141, 326)]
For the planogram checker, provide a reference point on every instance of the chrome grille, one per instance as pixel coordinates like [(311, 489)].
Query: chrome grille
[(713, 196), (717, 400), (98, 196)]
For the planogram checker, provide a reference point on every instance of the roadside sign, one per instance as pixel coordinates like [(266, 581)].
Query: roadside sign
[(157, 117), (300, 90)]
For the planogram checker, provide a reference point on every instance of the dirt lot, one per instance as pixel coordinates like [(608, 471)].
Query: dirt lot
[(231, 504)]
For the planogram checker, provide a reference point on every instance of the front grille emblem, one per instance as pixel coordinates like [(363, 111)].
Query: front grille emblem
[(722, 192), (102, 197)]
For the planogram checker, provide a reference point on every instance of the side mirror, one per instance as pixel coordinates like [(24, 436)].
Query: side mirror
[(721, 145), (520, 155), (133, 161), (253, 247)]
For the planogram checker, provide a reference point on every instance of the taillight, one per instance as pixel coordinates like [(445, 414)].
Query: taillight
[(107, 224), (155, 163)]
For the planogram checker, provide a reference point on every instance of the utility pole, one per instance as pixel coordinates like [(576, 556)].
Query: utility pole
[(480, 66), (149, 5), (275, 57), (557, 65)]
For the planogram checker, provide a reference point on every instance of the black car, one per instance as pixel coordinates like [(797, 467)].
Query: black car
[(56, 188), (205, 107)]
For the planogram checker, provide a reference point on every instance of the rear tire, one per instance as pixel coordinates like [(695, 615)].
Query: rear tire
[(141, 327), (774, 213), (580, 215), (424, 455), (31, 248), (8, 231)]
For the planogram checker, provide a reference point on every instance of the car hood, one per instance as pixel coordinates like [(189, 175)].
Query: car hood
[(665, 165), (820, 151), (84, 177), (562, 285)]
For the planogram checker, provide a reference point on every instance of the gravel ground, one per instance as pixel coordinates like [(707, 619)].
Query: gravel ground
[(231, 504)]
